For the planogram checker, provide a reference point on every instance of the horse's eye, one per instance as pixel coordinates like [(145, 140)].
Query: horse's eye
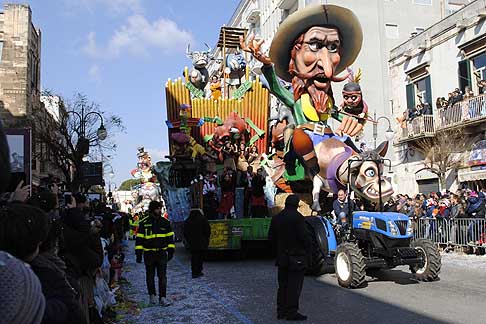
[(370, 173)]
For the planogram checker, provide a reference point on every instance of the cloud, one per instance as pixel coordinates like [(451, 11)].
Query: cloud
[(137, 36), (94, 73), (121, 6), (112, 7), (158, 154)]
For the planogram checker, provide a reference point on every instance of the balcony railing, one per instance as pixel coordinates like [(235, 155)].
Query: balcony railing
[(421, 126), (464, 112)]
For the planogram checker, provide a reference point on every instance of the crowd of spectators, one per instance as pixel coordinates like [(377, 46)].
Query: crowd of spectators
[(75, 251), (60, 262)]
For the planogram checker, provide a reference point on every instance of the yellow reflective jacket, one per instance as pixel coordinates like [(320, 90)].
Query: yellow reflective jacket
[(154, 234)]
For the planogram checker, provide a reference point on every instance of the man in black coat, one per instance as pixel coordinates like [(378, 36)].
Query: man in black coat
[(288, 235), (197, 233)]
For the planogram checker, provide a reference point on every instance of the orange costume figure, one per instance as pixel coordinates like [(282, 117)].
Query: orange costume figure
[(215, 87)]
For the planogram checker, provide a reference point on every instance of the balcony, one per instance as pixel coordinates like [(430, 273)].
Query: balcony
[(465, 113), (469, 112), (421, 126)]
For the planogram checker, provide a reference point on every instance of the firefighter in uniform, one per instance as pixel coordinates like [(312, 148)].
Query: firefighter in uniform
[(155, 241)]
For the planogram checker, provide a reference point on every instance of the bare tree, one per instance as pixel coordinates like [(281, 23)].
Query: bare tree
[(444, 152), (67, 138)]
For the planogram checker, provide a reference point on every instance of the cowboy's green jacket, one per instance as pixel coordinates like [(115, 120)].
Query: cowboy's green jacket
[(287, 97)]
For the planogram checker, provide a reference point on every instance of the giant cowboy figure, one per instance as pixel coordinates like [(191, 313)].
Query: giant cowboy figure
[(311, 47)]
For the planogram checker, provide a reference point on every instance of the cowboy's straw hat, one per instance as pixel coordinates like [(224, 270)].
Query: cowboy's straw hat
[(316, 15)]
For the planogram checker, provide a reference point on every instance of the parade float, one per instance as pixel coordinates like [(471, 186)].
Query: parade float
[(298, 150), (147, 189)]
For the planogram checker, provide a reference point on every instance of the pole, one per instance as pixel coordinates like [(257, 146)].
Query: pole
[(224, 65), (378, 162), (350, 217), (375, 129)]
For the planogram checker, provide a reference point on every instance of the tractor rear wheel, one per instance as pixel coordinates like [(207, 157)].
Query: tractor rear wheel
[(429, 270), (350, 265), (319, 247)]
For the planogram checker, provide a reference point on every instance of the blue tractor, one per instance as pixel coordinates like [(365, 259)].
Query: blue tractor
[(372, 240)]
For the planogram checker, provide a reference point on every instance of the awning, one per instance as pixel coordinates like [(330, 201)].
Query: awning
[(464, 175)]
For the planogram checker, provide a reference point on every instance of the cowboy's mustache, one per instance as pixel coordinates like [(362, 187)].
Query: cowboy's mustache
[(316, 72)]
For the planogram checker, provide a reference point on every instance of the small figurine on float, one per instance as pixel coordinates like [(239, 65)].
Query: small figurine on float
[(184, 115), (353, 104), (242, 163), (215, 87), (199, 75)]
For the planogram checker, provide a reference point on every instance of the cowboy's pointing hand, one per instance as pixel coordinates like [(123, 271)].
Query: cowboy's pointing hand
[(254, 47)]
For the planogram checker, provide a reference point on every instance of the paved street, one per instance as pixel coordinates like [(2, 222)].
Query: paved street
[(244, 292)]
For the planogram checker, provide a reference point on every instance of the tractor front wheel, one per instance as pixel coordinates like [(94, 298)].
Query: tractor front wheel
[(430, 267), (350, 266), (319, 246)]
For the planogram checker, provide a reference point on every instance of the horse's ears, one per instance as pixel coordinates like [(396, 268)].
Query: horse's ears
[(382, 149)]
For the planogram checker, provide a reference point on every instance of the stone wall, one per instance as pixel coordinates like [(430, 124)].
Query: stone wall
[(19, 64)]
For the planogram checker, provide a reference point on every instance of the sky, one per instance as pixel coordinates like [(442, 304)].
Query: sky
[(120, 53)]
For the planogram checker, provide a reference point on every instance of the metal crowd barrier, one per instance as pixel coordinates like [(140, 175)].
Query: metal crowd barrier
[(457, 231)]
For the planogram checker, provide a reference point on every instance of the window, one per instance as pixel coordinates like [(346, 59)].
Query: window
[(391, 31), (464, 75), (423, 90), (1, 50), (479, 66), (419, 92), (423, 2)]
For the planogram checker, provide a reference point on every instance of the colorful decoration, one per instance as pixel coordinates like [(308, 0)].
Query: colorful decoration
[(240, 92), (184, 146), (147, 190), (233, 129), (184, 115)]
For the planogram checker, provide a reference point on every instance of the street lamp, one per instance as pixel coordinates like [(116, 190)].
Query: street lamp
[(83, 120), (389, 133), (102, 133)]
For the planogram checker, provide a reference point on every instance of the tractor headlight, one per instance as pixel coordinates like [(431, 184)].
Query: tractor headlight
[(393, 228), (409, 228)]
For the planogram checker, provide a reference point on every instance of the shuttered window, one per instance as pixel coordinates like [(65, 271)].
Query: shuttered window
[(410, 96), (428, 90), (464, 75)]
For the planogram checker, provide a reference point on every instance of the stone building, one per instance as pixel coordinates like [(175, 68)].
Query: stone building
[(20, 49), (20, 96), (448, 55)]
